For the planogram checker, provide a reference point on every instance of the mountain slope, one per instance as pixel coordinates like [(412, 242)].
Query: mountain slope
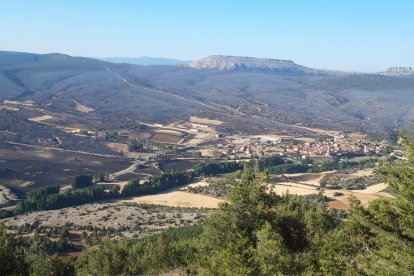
[(260, 94)]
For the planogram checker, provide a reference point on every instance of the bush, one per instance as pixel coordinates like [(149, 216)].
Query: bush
[(81, 181)]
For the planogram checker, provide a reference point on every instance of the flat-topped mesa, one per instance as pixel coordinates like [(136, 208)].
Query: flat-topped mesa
[(400, 70), (235, 62), (278, 66)]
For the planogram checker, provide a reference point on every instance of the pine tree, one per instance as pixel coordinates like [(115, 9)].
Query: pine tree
[(379, 239)]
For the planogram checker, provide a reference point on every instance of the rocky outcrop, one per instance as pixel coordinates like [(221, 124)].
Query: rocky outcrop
[(234, 62), (398, 70), (255, 64)]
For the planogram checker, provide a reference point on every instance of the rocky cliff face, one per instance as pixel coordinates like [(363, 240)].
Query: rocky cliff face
[(255, 64), (234, 62)]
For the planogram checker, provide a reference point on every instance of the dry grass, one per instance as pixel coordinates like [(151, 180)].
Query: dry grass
[(83, 108), (293, 188), (373, 189), (178, 199), (41, 118), (25, 103), (365, 198), (9, 108), (201, 183), (361, 173), (337, 204), (166, 138), (198, 120), (307, 178)]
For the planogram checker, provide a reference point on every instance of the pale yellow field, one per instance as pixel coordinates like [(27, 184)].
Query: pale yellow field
[(364, 172), (364, 198), (119, 147), (178, 199), (307, 178), (9, 108), (26, 103), (83, 108), (201, 183), (293, 189), (41, 118), (167, 131), (198, 120), (373, 189), (209, 152)]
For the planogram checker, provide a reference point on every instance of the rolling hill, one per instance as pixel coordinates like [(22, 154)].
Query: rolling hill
[(263, 93)]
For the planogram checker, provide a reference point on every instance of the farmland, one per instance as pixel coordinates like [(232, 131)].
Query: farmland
[(51, 140)]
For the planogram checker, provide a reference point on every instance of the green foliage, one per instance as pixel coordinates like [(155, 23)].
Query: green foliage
[(213, 168), (260, 233), (289, 168), (48, 198), (135, 145), (11, 257), (7, 120), (378, 240), (158, 183), (82, 181), (270, 161), (112, 136), (17, 257), (152, 255), (99, 177)]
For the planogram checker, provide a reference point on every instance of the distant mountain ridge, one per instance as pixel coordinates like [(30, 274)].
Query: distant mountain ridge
[(224, 62), (145, 60)]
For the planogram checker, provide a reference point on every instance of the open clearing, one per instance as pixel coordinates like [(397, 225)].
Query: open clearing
[(373, 189), (337, 204), (123, 148), (198, 120), (83, 108), (361, 173), (293, 188), (128, 216), (9, 108), (41, 118), (301, 184), (306, 178), (176, 198), (201, 183), (24, 103)]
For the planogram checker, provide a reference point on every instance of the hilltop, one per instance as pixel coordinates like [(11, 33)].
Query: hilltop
[(254, 64)]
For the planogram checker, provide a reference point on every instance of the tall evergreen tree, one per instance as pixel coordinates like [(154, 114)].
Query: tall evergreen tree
[(379, 239)]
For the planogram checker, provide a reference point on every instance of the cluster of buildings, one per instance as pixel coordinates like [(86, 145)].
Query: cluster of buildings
[(247, 148)]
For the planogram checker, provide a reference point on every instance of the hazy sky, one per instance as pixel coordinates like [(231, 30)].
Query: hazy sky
[(360, 35)]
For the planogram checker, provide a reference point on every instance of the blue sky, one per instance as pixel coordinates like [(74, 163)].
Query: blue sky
[(361, 35)]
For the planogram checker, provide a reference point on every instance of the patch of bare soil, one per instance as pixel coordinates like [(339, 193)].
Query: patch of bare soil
[(339, 205)]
